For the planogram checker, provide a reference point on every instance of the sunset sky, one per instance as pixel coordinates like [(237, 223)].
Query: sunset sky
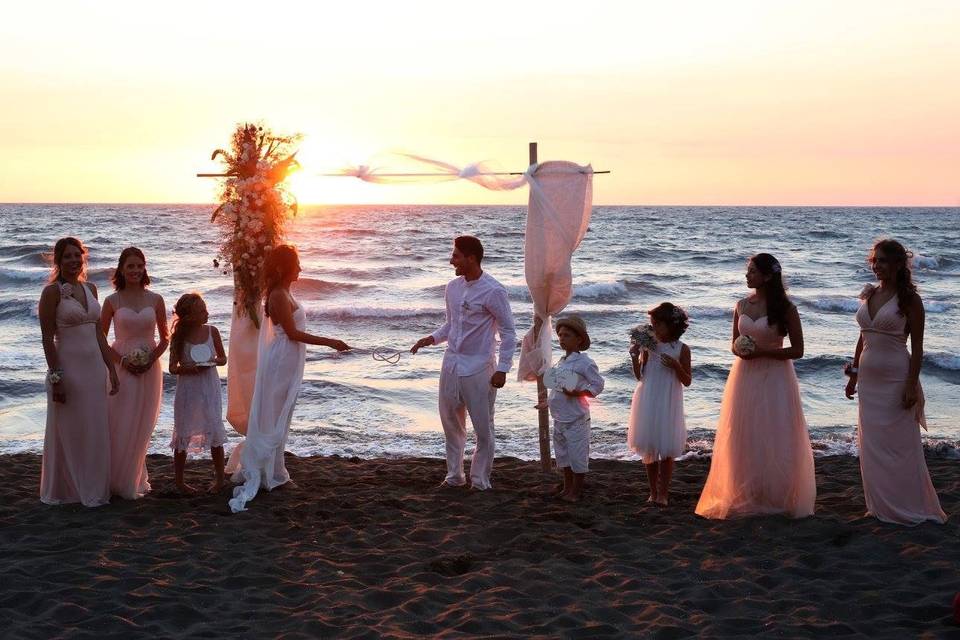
[(686, 103)]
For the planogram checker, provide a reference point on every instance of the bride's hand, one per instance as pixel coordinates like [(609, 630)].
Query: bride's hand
[(339, 345)]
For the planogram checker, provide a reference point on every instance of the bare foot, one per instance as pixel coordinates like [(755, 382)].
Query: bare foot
[(217, 485), (184, 489), (570, 497), (660, 503), (289, 485), (650, 499), (556, 491)]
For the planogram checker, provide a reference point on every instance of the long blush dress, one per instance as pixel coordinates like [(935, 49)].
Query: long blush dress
[(76, 444), (762, 460), (134, 410), (896, 483)]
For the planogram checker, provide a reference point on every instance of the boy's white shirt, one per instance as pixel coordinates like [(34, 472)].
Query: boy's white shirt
[(566, 408)]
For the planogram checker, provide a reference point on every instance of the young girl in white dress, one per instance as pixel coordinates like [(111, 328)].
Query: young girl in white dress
[(196, 351), (657, 428)]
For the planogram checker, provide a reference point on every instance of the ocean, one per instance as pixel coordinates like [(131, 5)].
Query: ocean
[(374, 276)]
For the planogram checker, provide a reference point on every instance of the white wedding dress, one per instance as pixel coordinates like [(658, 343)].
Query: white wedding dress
[(258, 461)]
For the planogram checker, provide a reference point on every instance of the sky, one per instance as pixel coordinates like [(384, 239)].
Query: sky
[(735, 103)]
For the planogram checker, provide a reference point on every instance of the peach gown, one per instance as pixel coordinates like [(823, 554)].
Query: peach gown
[(896, 483), (133, 411), (76, 445), (762, 460)]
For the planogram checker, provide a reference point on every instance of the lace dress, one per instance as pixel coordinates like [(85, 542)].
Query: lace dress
[(197, 406)]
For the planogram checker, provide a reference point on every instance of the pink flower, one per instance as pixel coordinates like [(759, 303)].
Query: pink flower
[(66, 289), (867, 291)]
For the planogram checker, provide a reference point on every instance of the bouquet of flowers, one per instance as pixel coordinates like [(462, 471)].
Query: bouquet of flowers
[(139, 357), (254, 207), (643, 336), (744, 345)]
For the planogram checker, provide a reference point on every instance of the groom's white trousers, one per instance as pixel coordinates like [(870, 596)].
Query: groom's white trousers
[(473, 395)]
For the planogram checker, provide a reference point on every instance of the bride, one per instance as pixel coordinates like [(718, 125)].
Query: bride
[(281, 353)]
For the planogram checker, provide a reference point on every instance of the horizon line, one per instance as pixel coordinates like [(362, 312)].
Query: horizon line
[(444, 204)]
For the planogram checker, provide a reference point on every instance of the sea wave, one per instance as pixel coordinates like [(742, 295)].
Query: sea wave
[(313, 287), (364, 313), (925, 262), (20, 277), (18, 308)]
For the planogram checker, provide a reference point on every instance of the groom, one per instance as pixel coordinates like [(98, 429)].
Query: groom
[(477, 308)]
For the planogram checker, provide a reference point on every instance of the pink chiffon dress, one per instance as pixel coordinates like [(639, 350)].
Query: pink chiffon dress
[(134, 410), (762, 460), (76, 445), (896, 483)]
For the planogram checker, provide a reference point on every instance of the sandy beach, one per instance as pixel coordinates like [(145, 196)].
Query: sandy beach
[(370, 548)]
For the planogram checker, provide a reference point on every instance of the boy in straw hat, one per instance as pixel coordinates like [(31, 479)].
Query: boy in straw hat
[(575, 379)]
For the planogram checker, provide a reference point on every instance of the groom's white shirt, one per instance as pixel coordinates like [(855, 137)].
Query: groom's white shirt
[(476, 311)]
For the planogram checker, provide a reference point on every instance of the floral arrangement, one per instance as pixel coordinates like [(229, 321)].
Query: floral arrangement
[(55, 376), (744, 345), (139, 357), (867, 291), (254, 207), (643, 336)]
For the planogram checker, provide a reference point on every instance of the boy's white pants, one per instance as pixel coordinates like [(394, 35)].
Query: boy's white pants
[(474, 395), (571, 444)]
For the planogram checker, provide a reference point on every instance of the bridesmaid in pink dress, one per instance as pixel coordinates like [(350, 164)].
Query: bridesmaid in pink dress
[(896, 483), (76, 445), (762, 460), (137, 315)]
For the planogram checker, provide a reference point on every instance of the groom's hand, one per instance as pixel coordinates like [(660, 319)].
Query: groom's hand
[(422, 342), (498, 379)]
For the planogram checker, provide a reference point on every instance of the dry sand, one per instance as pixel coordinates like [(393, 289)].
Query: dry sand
[(373, 549)]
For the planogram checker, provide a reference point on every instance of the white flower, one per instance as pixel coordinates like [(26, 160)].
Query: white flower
[(744, 345), (66, 289), (867, 291)]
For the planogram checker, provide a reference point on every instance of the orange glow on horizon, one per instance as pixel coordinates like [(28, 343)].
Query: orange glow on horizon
[(752, 103)]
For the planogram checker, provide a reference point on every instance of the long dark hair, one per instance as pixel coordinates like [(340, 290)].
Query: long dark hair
[(899, 256), (186, 316), (778, 303), (277, 266), (119, 282), (58, 250)]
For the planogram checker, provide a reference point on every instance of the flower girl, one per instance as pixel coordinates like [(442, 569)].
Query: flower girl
[(195, 353), (661, 363)]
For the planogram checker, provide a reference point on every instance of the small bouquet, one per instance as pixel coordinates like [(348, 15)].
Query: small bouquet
[(744, 345), (644, 337), (139, 357), (849, 370), (54, 376)]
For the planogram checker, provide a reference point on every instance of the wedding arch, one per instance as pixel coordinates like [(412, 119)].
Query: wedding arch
[(254, 206)]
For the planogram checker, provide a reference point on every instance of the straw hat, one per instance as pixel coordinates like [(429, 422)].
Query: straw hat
[(579, 327)]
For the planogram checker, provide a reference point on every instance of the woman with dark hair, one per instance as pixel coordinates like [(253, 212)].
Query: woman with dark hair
[(138, 315), (76, 444), (896, 483), (762, 460), (281, 354)]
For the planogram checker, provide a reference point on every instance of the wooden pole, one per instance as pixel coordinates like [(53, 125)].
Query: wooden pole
[(543, 414)]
